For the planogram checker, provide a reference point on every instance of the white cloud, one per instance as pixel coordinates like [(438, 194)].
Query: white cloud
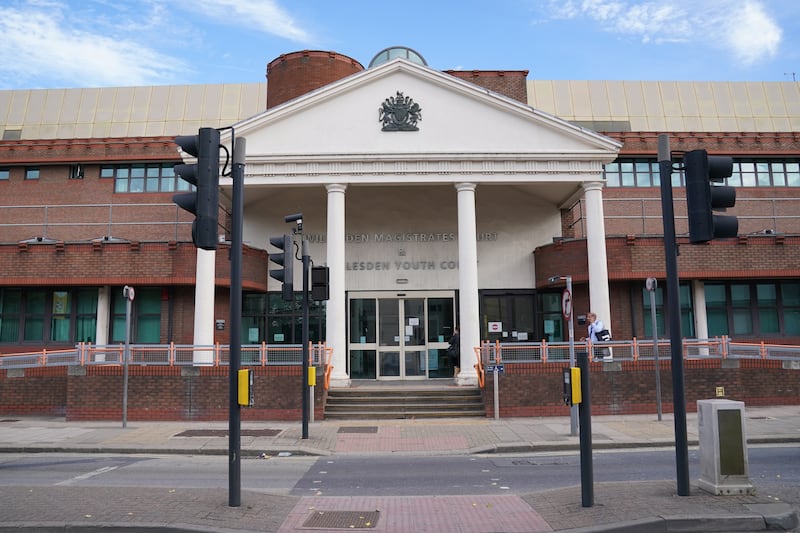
[(39, 42), (743, 28), (751, 33), (262, 15)]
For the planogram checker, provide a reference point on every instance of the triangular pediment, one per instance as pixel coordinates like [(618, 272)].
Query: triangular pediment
[(457, 119)]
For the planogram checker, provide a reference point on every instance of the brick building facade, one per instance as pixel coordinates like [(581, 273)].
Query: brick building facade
[(86, 186)]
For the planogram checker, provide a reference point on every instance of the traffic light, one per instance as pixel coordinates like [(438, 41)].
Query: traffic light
[(203, 202), (320, 283), (285, 259), (702, 172)]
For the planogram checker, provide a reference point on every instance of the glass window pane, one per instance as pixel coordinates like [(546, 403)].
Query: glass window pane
[(740, 295), (440, 319), (790, 294), (715, 294), (148, 329), (34, 328), (742, 322), (121, 185), (107, 172), (717, 322), (362, 320), (767, 294), (137, 185), (35, 302), (791, 322), (768, 321)]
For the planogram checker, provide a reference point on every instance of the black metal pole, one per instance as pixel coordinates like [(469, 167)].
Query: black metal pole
[(585, 419), (234, 419), (306, 263), (674, 310)]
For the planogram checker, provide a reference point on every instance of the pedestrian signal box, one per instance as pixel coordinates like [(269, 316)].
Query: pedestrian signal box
[(572, 386), (245, 389)]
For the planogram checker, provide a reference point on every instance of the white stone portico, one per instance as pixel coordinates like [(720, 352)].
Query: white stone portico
[(473, 192)]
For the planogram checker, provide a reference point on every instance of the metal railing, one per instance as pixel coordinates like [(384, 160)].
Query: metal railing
[(634, 350), (86, 354), (496, 353)]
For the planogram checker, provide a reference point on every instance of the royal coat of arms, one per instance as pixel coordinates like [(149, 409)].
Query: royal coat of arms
[(399, 113)]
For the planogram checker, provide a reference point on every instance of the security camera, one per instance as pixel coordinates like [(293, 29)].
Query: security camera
[(293, 218), (553, 279)]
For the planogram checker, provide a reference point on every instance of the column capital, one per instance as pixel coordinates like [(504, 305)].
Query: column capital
[(465, 186), (336, 187), (593, 186)]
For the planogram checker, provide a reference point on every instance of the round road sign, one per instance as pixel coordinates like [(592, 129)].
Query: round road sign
[(566, 303)]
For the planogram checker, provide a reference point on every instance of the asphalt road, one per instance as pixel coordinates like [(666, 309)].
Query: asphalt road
[(773, 466)]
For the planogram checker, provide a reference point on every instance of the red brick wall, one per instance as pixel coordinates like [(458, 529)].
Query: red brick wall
[(154, 393), (536, 389), (295, 74), (202, 393), (631, 260), (511, 83)]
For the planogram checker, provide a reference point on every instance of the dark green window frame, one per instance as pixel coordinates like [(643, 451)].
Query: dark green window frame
[(763, 308), (285, 320), (145, 316), (144, 178), (47, 315), (687, 312)]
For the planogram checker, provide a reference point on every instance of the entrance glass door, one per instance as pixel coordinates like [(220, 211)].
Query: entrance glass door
[(402, 336), (401, 347)]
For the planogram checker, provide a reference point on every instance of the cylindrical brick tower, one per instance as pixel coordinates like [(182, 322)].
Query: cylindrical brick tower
[(297, 73)]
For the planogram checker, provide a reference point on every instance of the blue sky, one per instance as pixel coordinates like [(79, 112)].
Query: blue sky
[(94, 43)]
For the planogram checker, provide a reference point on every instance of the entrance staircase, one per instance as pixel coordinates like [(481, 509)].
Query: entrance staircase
[(403, 401)]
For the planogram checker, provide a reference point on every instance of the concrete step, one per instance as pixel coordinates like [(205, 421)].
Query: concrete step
[(403, 401)]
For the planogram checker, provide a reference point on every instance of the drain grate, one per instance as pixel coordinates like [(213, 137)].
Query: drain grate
[(358, 429), (224, 433), (343, 519)]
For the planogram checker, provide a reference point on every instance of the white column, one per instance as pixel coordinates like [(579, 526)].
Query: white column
[(204, 306), (599, 299), (336, 307), (103, 315), (700, 313), (469, 321)]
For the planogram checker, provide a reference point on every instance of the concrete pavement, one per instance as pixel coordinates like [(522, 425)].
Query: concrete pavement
[(636, 506)]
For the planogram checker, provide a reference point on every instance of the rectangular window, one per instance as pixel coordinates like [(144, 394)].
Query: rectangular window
[(747, 172), (85, 315), (144, 177), (254, 316), (4, 173), (76, 172), (35, 307), (10, 314), (145, 316), (790, 304), (758, 308), (47, 316), (284, 320), (716, 309), (31, 173), (687, 313), (515, 311), (60, 317)]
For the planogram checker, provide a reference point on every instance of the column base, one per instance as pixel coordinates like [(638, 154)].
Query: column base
[(343, 382), (465, 379)]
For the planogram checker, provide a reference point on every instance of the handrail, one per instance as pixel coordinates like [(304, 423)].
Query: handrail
[(540, 352)]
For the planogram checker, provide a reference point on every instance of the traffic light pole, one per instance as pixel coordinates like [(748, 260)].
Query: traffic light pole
[(674, 309), (306, 267), (235, 418)]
